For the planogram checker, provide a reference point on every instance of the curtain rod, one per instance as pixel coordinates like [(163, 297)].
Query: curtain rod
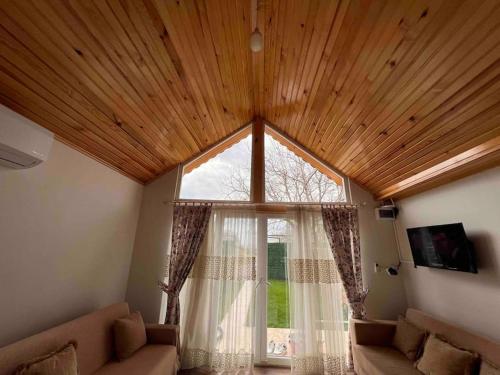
[(245, 203)]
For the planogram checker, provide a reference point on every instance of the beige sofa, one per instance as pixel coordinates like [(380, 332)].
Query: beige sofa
[(94, 336), (374, 355)]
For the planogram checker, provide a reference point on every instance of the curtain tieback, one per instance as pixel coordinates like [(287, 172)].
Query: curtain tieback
[(168, 289), (363, 295), (360, 297)]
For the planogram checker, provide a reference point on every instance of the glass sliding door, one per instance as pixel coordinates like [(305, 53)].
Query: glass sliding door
[(278, 307), (273, 322), (265, 290)]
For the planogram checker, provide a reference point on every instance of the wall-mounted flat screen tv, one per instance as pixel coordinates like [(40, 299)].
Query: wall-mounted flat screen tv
[(442, 246)]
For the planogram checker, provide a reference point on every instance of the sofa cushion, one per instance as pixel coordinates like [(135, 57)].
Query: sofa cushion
[(488, 369), (130, 335), (61, 362), (486, 348), (408, 338), (92, 332), (372, 332), (382, 360), (441, 357), (149, 360)]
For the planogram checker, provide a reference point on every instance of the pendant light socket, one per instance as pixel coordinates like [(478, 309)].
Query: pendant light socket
[(256, 41)]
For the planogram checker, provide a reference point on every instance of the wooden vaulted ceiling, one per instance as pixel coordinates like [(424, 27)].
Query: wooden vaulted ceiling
[(393, 93)]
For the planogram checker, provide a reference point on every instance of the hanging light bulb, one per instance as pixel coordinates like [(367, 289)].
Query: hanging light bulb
[(256, 41)]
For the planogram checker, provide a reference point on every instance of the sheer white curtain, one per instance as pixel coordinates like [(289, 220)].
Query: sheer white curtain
[(318, 339), (218, 315)]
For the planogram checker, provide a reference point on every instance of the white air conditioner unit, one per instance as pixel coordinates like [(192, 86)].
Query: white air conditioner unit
[(23, 144), (386, 213)]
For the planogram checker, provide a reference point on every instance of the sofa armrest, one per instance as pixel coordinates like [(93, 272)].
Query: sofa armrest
[(372, 332), (163, 334)]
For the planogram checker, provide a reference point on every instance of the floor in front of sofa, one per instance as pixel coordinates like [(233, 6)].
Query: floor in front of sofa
[(257, 371)]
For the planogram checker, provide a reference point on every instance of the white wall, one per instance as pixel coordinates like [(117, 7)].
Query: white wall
[(386, 298), (151, 245), (469, 300), (67, 229)]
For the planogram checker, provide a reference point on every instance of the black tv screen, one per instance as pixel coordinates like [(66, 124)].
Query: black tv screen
[(442, 246)]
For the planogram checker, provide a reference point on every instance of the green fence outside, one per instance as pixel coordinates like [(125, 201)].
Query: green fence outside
[(278, 313), (276, 258)]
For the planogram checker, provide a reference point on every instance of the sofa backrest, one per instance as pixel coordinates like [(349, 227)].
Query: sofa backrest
[(461, 338), (92, 332)]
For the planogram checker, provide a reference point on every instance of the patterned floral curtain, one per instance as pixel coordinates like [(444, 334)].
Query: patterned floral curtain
[(342, 229), (188, 230)]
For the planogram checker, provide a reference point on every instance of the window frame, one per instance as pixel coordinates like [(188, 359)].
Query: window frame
[(258, 128)]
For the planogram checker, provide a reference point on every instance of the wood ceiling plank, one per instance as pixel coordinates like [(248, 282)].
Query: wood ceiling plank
[(365, 14), (71, 116), (258, 67), (167, 59), (313, 66), (477, 153), (13, 93), (380, 112), (274, 21), (241, 52), (71, 60), (475, 131), (304, 34), (293, 33), (343, 38), (55, 68), (409, 29), (207, 77), (181, 28), (438, 123), (395, 67), (275, 63), (348, 87), (235, 16), (302, 122), (467, 66), (184, 108), (378, 47), (227, 51), (244, 54), (402, 134), (132, 65), (77, 43), (485, 162), (21, 62), (292, 37), (224, 41), (381, 89), (218, 60), (88, 148), (133, 52)]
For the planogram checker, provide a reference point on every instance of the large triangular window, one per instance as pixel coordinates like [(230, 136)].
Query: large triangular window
[(294, 175), (222, 173), (291, 173)]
